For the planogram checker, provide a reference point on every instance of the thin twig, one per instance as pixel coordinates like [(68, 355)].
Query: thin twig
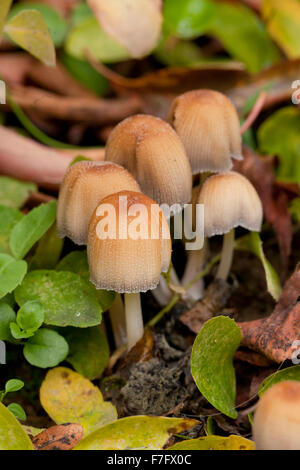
[(255, 112)]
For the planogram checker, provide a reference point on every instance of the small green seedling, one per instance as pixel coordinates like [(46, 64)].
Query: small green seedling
[(13, 385)]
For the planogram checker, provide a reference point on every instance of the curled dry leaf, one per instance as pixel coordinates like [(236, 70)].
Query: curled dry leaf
[(274, 336), (134, 24), (63, 437)]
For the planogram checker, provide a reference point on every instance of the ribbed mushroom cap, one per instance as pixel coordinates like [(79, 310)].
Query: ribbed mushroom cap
[(84, 186), (208, 125), (276, 423), (152, 151), (131, 258), (230, 201)]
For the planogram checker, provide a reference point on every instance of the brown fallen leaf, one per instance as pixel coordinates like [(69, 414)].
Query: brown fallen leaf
[(216, 296), (260, 171), (62, 437), (274, 336)]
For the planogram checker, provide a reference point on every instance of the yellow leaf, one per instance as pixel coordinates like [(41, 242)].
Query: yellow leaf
[(215, 443), (29, 30), (5, 6), (135, 432), (134, 24), (68, 397), (12, 436)]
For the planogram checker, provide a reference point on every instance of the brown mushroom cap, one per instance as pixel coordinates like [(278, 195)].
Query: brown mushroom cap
[(208, 125), (276, 423), (84, 186), (230, 200), (152, 151), (122, 263)]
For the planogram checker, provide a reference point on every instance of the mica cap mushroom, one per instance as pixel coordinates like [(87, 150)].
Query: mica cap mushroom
[(153, 153), (229, 200), (209, 127), (276, 423), (84, 186), (129, 245)]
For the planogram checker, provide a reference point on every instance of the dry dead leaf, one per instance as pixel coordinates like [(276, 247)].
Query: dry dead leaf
[(62, 437)]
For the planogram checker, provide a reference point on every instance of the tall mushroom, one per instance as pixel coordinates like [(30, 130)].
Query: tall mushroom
[(276, 424), (129, 245), (229, 201)]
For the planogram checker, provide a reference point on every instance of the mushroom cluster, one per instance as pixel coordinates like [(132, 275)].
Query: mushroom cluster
[(118, 207)]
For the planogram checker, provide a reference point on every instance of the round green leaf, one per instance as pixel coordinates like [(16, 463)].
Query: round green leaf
[(12, 273), (291, 373), (212, 363), (13, 193), (31, 228), (31, 315), (13, 385), (55, 22), (7, 315), (67, 298), (89, 351), (12, 435), (17, 411), (46, 349)]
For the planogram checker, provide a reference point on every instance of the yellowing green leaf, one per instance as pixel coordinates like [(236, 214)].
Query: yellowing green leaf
[(283, 23), (12, 436), (290, 373), (252, 243), (211, 363), (215, 443), (135, 24), (29, 30), (5, 6), (68, 397), (135, 432)]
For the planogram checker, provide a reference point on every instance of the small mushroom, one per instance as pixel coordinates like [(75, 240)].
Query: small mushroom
[(208, 125), (229, 201), (276, 423), (84, 186), (128, 247), (153, 153)]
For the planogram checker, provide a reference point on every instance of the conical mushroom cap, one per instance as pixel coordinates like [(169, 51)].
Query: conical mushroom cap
[(276, 423), (129, 243), (230, 200), (208, 125), (84, 186), (152, 151)]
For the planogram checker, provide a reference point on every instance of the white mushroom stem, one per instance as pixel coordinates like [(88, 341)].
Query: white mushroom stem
[(118, 322), (162, 293), (195, 262), (134, 319), (226, 256)]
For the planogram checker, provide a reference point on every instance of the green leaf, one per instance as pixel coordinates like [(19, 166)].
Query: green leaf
[(215, 443), (12, 273), (29, 318), (253, 243), (48, 250), (89, 351), (135, 433), (17, 333), (77, 262), (82, 71), (56, 24), (68, 397), (5, 6), (290, 373), (46, 349), (13, 193), (283, 24), (67, 298), (9, 218), (211, 363), (7, 315), (243, 36), (13, 385), (31, 228), (29, 30), (295, 209), (188, 18), (177, 52), (17, 411), (89, 36), (280, 135), (80, 12), (12, 435)]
